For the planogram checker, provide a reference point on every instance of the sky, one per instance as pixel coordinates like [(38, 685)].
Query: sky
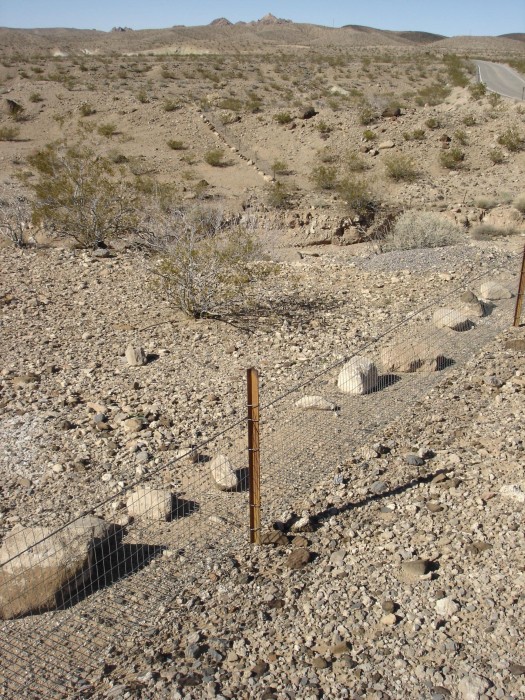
[(449, 17)]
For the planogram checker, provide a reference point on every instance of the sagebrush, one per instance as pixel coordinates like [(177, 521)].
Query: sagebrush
[(420, 229)]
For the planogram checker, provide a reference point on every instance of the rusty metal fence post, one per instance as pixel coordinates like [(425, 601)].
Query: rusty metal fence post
[(521, 291), (254, 456)]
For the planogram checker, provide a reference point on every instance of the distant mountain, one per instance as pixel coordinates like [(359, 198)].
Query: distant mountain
[(221, 22), (413, 37), (272, 19), (519, 36)]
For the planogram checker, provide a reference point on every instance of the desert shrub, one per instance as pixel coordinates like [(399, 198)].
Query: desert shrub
[(519, 203), (170, 105), (511, 139), (355, 164), (433, 123), (367, 115), (142, 97), (357, 196), (323, 128), (176, 145), (108, 130), (326, 155), (461, 137), (369, 135), (400, 167), (494, 99), (416, 135), (420, 229), (15, 214), (278, 195), (9, 133), (117, 157), (486, 203), (283, 118), (432, 95), (78, 195), (35, 97), (469, 120), (86, 110), (456, 70), (205, 265), (324, 177), (486, 232), (497, 156), (452, 159), (477, 91), (231, 103), (279, 167), (215, 158)]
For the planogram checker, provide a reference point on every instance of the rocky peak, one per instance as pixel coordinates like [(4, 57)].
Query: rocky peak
[(272, 19), (221, 22)]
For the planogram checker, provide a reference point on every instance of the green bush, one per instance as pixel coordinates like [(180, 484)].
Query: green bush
[(108, 130), (79, 194), (420, 229), (206, 266), (452, 159), (324, 177), (461, 137), (469, 120), (357, 196), (355, 164), (278, 195), (400, 167), (367, 115), (369, 135), (283, 118), (176, 145), (35, 97), (511, 139), (86, 110), (497, 156), (279, 167), (433, 123), (170, 105), (477, 91), (215, 158), (9, 133), (416, 135)]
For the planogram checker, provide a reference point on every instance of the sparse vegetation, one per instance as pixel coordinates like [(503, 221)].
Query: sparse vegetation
[(215, 158), (486, 232), (497, 156), (452, 159), (511, 139), (176, 145), (78, 195), (432, 123), (420, 229), (477, 91), (369, 135), (108, 130), (357, 196), (9, 133), (283, 118), (400, 167), (324, 177), (86, 110), (15, 215), (519, 203)]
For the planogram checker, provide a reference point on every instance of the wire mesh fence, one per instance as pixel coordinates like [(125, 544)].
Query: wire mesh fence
[(72, 593)]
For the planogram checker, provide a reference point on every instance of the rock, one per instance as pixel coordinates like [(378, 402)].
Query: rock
[(385, 145), (132, 425), (135, 356), (413, 570), (150, 503), (471, 687), (307, 113), (446, 607), (223, 473), (378, 487), (388, 606), (304, 524), (338, 90), (274, 537), (515, 344), (514, 492), (517, 669), (413, 356), (389, 620), (41, 569), (493, 291), (298, 558), (23, 380), (358, 376), (317, 403), (450, 318), (414, 460), (472, 305)]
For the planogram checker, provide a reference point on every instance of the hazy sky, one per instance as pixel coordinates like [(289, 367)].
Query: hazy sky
[(450, 17)]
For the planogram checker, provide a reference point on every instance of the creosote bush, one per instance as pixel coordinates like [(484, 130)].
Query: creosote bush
[(400, 167), (15, 214), (215, 158), (205, 264), (357, 196), (176, 145), (452, 159), (511, 139), (420, 229), (81, 195), (324, 177), (9, 133), (283, 118)]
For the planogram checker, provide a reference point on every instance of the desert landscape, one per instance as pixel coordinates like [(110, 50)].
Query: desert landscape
[(342, 209)]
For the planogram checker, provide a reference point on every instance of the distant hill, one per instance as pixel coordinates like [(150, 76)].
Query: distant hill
[(517, 35), (413, 37)]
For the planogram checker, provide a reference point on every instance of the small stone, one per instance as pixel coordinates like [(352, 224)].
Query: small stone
[(274, 537), (260, 668), (414, 569), (514, 492), (319, 662), (153, 504), (132, 425), (471, 687), (298, 558), (446, 607), (315, 403), (304, 524), (23, 380), (414, 460), (358, 376), (340, 649), (517, 669), (378, 487), (388, 606), (389, 620)]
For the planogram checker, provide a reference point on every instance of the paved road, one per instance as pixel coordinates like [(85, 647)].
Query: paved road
[(501, 79)]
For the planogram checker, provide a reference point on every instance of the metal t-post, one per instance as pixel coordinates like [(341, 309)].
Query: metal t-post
[(521, 291), (254, 456)]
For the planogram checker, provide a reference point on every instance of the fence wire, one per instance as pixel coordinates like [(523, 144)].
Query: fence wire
[(72, 594)]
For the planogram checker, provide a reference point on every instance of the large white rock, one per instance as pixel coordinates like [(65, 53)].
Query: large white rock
[(473, 686), (358, 376), (149, 503), (412, 356), (41, 568), (316, 403), (135, 356), (492, 291), (223, 473), (451, 318)]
